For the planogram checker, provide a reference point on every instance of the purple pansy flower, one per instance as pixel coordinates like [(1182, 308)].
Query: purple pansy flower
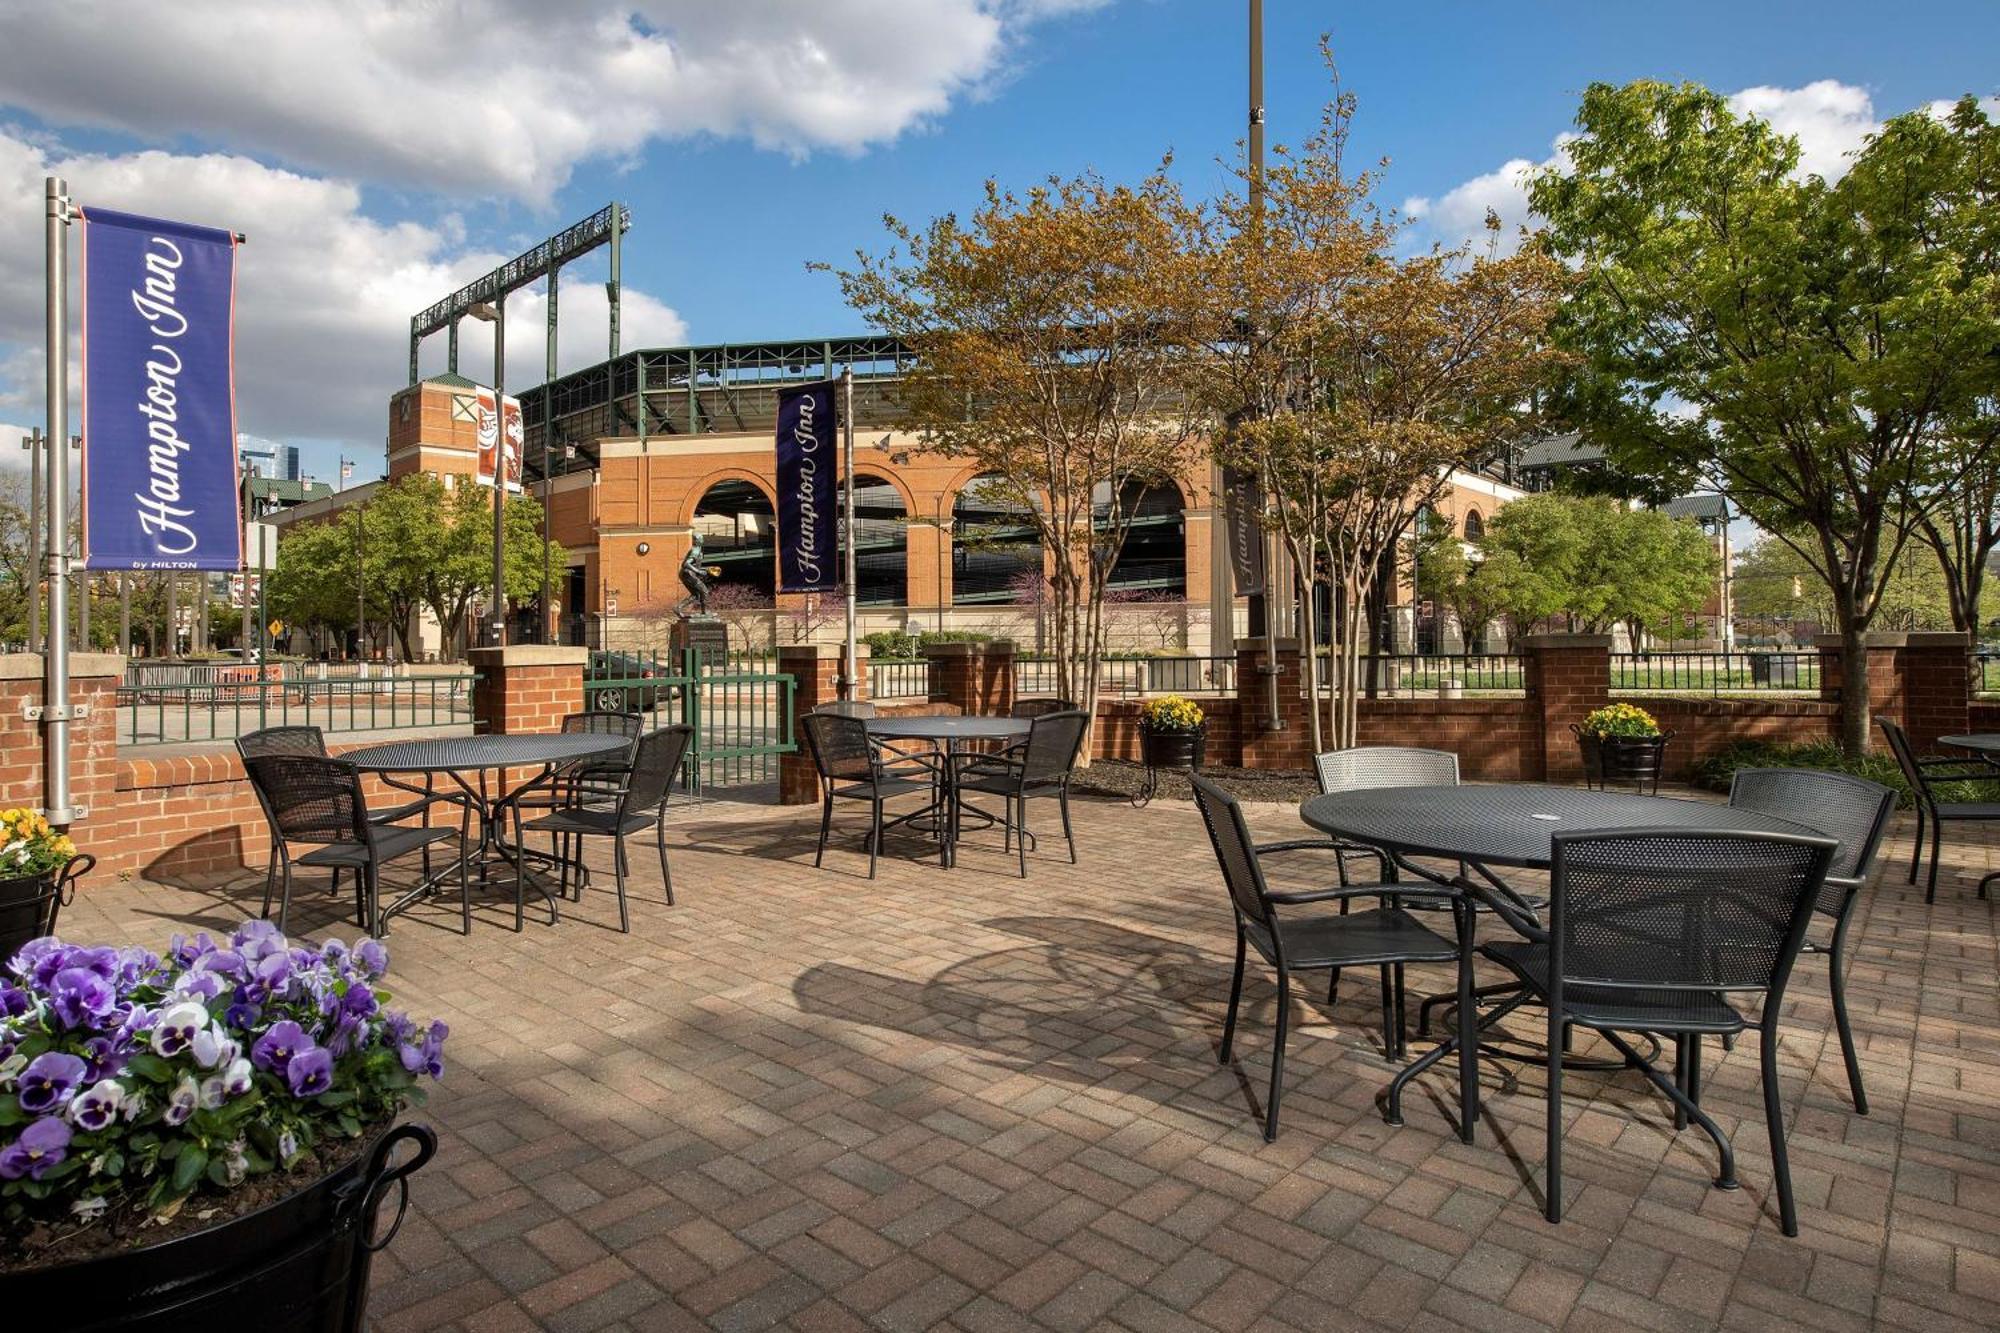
[(98, 1106), (177, 1027), (214, 1048), (50, 1079), (275, 1049), (243, 1016), (310, 1072), (79, 997), (105, 1056), (373, 956), (14, 1001), (359, 1000), (236, 1078), (42, 1144), (182, 1101)]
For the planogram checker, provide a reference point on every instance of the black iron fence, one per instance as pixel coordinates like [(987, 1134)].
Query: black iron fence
[(1716, 673), (218, 702), (899, 678)]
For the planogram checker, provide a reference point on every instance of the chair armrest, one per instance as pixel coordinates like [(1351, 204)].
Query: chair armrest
[(1362, 891)]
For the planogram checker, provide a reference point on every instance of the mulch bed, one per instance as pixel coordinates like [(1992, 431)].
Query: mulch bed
[(1123, 779)]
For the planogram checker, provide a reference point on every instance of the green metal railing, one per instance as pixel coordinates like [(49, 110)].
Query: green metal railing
[(222, 705), (740, 706)]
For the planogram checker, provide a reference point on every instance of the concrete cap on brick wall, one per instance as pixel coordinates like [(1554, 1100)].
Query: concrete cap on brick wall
[(1893, 639), (818, 652), (28, 666), (528, 655), (1566, 641), (1256, 645), (996, 647)]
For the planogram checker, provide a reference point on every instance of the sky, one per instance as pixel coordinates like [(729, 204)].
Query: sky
[(380, 153)]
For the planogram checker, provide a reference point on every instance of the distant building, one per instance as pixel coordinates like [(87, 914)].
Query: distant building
[(264, 496), (271, 460)]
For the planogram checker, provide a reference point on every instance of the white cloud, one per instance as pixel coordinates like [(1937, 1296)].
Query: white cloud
[(1828, 118), (490, 97), (324, 292)]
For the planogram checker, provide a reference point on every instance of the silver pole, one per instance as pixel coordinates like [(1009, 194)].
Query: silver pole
[(499, 628), (848, 682), (55, 549), (35, 490)]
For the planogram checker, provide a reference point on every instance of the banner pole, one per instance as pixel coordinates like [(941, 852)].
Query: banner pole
[(848, 681), (55, 545)]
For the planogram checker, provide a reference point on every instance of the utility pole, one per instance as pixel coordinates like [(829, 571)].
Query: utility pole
[(1263, 610), (125, 612), (361, 582), (847, 670), (498, 631)]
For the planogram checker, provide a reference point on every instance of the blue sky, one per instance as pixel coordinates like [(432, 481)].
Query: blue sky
[(379, 153)]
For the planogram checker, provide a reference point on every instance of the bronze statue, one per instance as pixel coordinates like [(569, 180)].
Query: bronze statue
[(695, 578)]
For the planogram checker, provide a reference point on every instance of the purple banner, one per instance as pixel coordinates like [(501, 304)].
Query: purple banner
[(808, 484), (1244, 499), (159, 398)]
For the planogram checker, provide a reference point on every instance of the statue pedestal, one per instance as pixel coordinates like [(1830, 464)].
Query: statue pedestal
[(708, 636)]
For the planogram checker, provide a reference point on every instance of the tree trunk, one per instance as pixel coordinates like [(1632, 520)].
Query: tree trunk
[(1854, 702)]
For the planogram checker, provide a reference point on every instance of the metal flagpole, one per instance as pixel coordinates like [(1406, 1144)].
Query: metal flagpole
[(848, 682), (34, 445), (499, 629), (55, 548), (1264, 608)]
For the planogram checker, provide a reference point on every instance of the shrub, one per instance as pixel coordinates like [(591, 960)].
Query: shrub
[(1716, 771), (895, 644)]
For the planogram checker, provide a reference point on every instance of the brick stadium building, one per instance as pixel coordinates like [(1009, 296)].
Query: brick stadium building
[(638, 453)]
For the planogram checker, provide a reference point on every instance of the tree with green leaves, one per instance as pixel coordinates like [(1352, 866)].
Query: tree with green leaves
[(1795, 344)]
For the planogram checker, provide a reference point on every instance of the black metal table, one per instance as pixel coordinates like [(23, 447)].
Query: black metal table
[(457, 756), (1984, 743), (1509, 825), (948, 732)]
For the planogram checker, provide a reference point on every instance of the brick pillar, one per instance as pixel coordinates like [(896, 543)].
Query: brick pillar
[(975, 678), (1899, 665), (815, 672), (1262, 748), (93, 738), (1937, 687), (526, 687), (1568, 677)]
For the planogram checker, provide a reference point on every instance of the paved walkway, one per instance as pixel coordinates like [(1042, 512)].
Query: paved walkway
[(802, 1098)]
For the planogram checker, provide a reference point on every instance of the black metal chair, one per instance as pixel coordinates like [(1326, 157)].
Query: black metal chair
[(310, 740), (641, 800), (1853, 811), (315, 799), (1923, 775), (1039, 766), (861, 708), (1386, 936), (1653, 930), (851, 768), (1032, 708)]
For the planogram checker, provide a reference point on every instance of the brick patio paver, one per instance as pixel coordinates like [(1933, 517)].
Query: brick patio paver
[(956, 1098)]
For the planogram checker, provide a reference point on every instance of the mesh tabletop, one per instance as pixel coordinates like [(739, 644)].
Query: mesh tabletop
[(1983, 742), (947, 728), (473, 752), (1512, 824)]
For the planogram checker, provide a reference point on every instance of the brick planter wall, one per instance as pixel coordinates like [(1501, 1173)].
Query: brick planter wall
[(526, 687)]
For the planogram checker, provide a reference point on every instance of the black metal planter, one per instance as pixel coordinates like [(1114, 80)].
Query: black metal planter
[(299, 1265), (1615, 760), (1168, 749), (29, 905)]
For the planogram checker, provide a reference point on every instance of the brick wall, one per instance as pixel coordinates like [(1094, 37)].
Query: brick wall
[(1569, 675), (975, 678), (526, 687), (815, 670)]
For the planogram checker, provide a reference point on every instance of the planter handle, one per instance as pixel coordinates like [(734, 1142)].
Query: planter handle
[(381, 1175), (78, 866)]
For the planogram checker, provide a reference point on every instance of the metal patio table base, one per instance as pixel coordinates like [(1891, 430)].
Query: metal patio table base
[(1512, 825), (490, 857), (946, 733)]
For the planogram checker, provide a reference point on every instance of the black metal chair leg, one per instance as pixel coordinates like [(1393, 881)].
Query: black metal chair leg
[(1062, 799), (1680, 1078), (660, 841), (1836, 961), (464, 887), (1278, 1055), (618, 865), (1402, 1016), (1235, 996), (874, 834), (1917, 848), (1552, 1205), (270, 881), (1937, 847), (825, 827), (1774, 1124), (1021, 832), (1726, 1176), (1388, 1015), (284, 892)]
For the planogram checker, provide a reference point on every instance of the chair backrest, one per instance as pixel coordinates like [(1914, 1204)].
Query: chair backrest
[(840, 746), (1906, 757), (281, 740), (1853, 811), (1234, 850), (1681, 909), (848, 708), (311, 798), (1039, 707), (604, 722), (1368, 766), (1054, 739), (654, 764)]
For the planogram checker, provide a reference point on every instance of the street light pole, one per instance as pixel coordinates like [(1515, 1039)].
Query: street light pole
[(848, 682), (499, 624), (55, 539), (34, 446)]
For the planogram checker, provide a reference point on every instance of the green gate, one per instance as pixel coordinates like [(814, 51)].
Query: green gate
[(740, 707)]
